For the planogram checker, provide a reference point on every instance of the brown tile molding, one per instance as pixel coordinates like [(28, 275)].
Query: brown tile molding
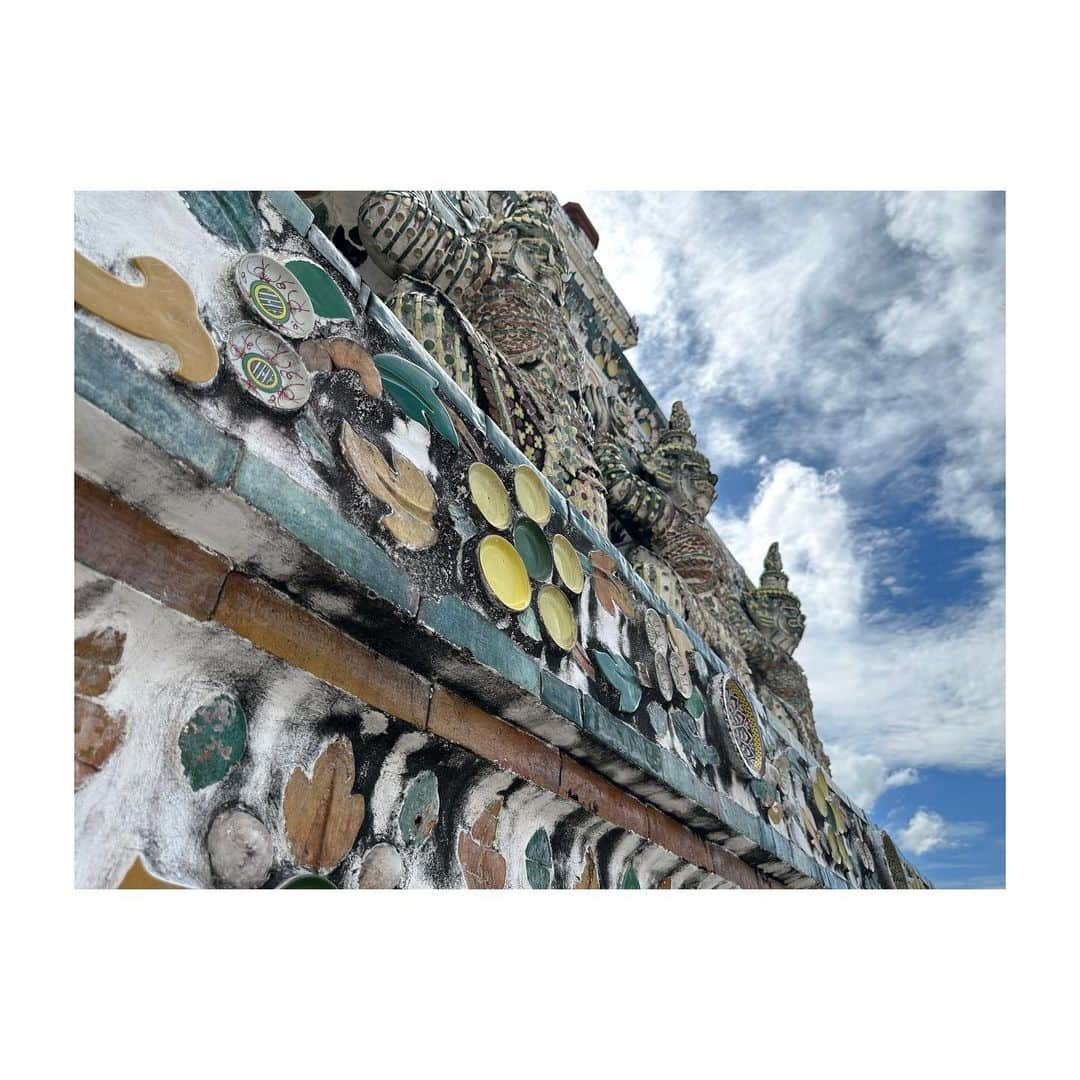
[(117, 540)]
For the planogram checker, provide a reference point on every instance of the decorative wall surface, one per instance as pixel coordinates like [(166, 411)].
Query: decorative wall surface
[(415, 593)]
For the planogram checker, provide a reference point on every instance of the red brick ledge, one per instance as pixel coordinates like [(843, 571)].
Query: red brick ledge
[(119, 541)]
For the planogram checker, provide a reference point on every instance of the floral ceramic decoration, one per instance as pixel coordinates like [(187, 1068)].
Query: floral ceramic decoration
[(275, 295), (268, 368)]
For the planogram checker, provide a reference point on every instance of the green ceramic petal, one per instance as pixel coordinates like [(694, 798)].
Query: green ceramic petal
[(213, 741), (657, 718), (621, 675), (420, 809), (538, 861), (695, 704), (326, 298), (414, 391), (630, 879), (529, 624)]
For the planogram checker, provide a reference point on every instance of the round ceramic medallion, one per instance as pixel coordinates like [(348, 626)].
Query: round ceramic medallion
[(489, 495), (571, 573), (532, 546), (275, 295), (655, 631), (738, 727), (557, 616), (663, 674), (268, 368), (531, 494), (240, 848), (504, 573), (680, 674)]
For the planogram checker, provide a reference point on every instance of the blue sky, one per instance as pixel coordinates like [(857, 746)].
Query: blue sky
[(842, 356)]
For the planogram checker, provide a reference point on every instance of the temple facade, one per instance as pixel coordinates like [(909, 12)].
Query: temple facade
[(390, 571)]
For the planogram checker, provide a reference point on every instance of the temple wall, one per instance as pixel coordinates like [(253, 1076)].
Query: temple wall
[(299, 568)]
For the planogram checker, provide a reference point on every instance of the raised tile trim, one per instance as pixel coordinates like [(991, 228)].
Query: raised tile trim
[(295, 211), (277, 625), (321, 528), (106, 375)]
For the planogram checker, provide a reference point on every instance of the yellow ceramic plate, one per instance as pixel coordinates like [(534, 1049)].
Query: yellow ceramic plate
[(531, 494), (568, 564), (557, 616), (489, 495), (504, 572)]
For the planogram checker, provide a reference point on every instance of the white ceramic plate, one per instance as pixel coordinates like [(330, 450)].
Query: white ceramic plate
[(275, 295), (268, 368)]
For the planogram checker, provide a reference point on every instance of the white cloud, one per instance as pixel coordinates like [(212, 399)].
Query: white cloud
[(853, 345), (924, 832), (928, 830), (864, 776), (868, 329), (890, 693)]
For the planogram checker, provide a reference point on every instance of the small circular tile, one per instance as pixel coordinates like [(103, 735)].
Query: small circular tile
[(532, 495), (663, 675), (568, 564), (275, 295), (557, 616), (533, 547), (655, 631), (241, 850), (489, 495), (680, 674), (504, 573)]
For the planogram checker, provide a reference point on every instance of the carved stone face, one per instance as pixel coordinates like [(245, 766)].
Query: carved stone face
[(541, 262), (695, 487)]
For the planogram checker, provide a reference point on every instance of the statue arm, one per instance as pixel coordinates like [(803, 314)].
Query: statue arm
[(407, 235), (636, 501)]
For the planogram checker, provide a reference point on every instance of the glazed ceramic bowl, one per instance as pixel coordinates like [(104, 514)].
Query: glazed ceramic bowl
[(489, 495), (533, 547), (557, 616), (532, 495), (275, 295), (503, 573), (568, 564)]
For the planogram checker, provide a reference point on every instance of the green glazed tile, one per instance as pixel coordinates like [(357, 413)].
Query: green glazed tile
[(213, 741), (231, 215), (538, 861), (534, 549), (327, 299), (297, 212), (695, 704), (308, 881), (630, 879), (314, 441), (529, 624), (658, 720), (413, 389), (419, 810), (621, 676)]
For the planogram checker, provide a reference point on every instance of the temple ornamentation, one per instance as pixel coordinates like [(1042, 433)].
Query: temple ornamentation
[(433, 574)]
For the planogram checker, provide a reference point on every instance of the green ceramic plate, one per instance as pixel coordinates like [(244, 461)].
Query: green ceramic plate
[(532, 546)]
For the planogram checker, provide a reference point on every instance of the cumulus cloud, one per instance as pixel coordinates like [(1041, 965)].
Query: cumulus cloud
[(856, 330), (857, 339), (891, 693), (928, 830), (924, 832)]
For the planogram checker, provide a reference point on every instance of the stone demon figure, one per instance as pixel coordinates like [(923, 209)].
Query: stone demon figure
[(482, 287), (662, 500)]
